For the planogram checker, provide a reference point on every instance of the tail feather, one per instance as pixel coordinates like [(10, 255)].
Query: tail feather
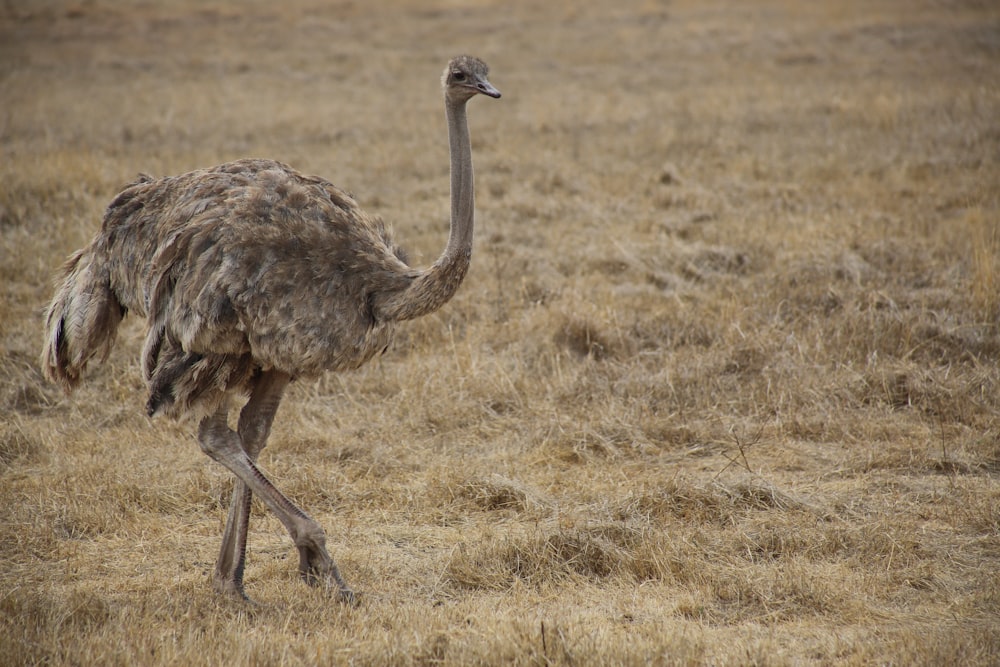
[(81, 322)]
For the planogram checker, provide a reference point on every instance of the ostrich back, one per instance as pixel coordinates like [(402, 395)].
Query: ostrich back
[(244, 266)]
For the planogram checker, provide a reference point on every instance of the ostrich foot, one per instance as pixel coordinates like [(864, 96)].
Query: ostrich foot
[(229, 588), (317, 569)]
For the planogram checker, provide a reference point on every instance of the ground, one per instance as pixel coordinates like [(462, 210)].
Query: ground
[(720, 387)]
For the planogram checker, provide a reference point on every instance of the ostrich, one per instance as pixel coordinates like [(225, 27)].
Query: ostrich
[(251, 274)]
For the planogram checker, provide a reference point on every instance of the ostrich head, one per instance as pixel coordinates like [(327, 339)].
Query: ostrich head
[(465, 77)]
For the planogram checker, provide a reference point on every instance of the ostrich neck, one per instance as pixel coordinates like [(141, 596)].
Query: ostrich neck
[(463, 198), (432, 288)]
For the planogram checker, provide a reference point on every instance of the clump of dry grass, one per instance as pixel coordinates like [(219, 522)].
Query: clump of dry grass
[(985, 240), (18, 447), (497, 493), (583, 339)]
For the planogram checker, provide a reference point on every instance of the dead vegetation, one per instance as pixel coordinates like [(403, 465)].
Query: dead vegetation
[(721, 386)]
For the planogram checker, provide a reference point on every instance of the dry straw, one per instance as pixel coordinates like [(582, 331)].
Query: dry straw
[(721, 386)]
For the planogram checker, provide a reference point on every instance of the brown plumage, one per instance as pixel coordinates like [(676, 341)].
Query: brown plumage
[(251, 274)]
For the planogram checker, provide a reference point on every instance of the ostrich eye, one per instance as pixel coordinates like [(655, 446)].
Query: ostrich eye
[(458, 76)]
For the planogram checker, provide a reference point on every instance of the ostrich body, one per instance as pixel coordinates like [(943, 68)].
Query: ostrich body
[(251, 274)]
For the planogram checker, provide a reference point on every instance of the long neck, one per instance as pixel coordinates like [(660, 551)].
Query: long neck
[(432, 288)]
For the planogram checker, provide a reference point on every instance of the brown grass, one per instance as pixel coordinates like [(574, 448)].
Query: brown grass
[(721, 386)]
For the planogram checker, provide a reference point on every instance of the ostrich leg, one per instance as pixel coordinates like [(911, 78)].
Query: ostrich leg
[(254, 428), (223, 444)]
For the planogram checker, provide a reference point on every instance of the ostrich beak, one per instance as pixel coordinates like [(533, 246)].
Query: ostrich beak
[(486, 88)]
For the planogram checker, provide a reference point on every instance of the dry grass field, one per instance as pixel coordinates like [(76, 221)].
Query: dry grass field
[(721, 387)]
